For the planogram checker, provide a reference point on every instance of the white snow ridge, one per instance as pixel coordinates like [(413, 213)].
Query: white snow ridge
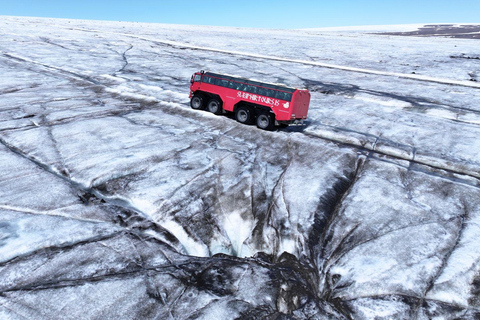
[(118, 201)]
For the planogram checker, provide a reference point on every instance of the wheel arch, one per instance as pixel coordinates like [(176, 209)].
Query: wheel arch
[(208, 96)]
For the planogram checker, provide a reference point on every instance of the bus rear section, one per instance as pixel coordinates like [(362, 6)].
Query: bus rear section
[(251, 101), (300, 104)]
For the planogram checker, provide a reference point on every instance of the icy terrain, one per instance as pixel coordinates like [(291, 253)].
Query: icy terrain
[(118, 201)]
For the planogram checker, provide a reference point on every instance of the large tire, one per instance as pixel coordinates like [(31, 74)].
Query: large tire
[(214, 106), (266, 121), (243, 115), (197, 102)]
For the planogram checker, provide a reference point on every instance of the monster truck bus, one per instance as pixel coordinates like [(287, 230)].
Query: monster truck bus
[(251, 101)]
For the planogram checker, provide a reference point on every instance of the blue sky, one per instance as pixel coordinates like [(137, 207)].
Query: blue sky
[(254, 13)]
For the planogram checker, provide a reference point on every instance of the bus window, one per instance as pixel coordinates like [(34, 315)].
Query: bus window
[(280, 95), (283, 96), (232, 85), (251, 89), (261, 91), (197, 78), (270, 93), (207, 79), (241, 86), (223, 83)]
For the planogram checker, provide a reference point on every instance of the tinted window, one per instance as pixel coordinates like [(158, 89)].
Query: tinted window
[(223, 83), (284, 96), (232, 85), (262, 91), (241, 86), (207, 79), (280, 95), (251, 89), (270, 93)]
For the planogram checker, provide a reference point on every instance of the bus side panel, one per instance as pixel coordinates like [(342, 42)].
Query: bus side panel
[(228, 96), (283, 112), (229, 103)]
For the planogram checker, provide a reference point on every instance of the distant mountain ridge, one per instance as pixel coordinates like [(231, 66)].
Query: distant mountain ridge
[(467, 31), (451, 30)]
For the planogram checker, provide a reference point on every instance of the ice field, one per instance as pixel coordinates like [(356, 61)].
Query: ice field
[(118, 201)]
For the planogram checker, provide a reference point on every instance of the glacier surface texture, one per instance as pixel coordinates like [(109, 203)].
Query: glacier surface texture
[(118, 201)]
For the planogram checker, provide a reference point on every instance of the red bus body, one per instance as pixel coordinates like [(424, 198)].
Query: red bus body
[(288, 105)]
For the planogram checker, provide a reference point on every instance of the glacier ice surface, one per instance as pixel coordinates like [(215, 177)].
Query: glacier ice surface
[(119, 201)]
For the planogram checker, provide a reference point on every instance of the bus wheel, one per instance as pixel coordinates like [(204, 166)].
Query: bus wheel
[(196, 102), (243, 115), (265, 121), (214, 106)]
